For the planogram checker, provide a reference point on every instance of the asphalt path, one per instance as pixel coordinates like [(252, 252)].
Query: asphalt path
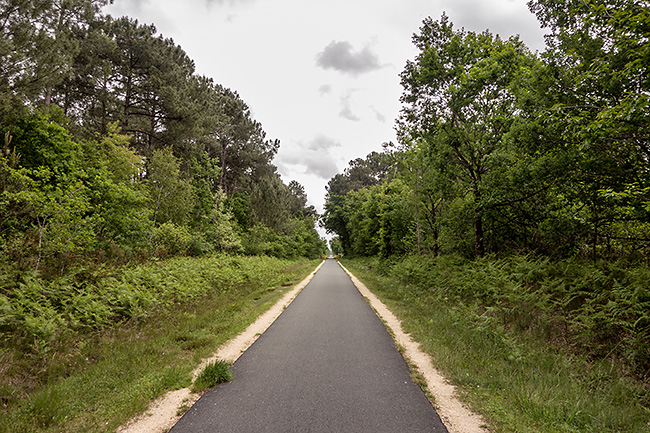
[(327, 364)]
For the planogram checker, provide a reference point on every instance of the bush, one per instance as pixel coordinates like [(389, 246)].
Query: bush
[(36, 311), (169, 239), (600, 309), (198, 246)]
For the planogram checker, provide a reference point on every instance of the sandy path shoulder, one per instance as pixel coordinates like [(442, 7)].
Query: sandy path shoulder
[(456, 416), (164, 412)]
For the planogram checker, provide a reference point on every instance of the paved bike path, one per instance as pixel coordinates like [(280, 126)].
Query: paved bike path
[(327, 364)]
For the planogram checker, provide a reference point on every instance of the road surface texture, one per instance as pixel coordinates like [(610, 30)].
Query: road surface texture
[(327, 364)]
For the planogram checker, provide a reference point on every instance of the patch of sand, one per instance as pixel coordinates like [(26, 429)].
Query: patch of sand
[(456, 416), (165, 412)]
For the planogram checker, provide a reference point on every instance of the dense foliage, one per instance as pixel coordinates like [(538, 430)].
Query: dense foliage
[(502, 150), (88, 351), (115, 149), (115, 155), (38, 312), (599, 309), (500, 329), (506, 153)]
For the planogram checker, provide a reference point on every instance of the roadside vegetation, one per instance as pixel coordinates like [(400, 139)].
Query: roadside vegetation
[(212, 374), (142, 222), (532, 345), (113, 150), (85, 353), (509, 225)]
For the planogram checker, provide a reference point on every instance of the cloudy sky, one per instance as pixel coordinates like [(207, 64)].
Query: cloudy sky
[(321, 76)]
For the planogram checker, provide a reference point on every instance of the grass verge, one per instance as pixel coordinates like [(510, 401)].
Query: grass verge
[(517, 380), (93, 379)]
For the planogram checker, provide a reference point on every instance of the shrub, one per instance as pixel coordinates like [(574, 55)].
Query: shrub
[(198, 246), (171, 239), (599, 309)]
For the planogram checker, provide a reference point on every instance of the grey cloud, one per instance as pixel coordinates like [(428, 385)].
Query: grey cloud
[(380, 117), (322, 142), (325, 89), (346, 108), (321, 165), (313, 157), (505, 19), (341, 57), (138, 6), (346, 113), (324, 168)]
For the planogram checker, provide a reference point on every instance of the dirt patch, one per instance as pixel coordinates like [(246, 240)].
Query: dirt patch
[(165, 412), (456, 416)]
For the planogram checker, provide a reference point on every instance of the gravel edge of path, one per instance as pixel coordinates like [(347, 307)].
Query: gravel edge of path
[(165, 412), (455, 415)]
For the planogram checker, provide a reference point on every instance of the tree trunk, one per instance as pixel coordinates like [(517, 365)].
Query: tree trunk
[(417, 223), (432, 220), (152, 126), (41, 228), (222, 173), (435, 233), (48, 97), (595, 238), (478, 222), (127, 97), (596, 216)]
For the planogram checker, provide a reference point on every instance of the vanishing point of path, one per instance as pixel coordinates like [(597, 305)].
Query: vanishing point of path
[(327, 364)]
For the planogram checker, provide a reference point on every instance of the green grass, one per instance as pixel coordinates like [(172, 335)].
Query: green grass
[(212, 375), (517, 378), (93, 378)]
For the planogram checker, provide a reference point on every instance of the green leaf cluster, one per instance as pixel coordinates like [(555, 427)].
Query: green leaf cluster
[(213, 374), (35, 312), (506, 151), (115, 149)]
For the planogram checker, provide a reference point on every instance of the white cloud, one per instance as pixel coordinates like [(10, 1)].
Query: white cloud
[(227, 2)]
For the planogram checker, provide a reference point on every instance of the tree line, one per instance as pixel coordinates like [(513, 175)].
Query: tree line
[(114, 148), (501, 150)]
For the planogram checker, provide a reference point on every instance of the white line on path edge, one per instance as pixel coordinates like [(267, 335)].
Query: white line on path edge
[(454, 415)]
